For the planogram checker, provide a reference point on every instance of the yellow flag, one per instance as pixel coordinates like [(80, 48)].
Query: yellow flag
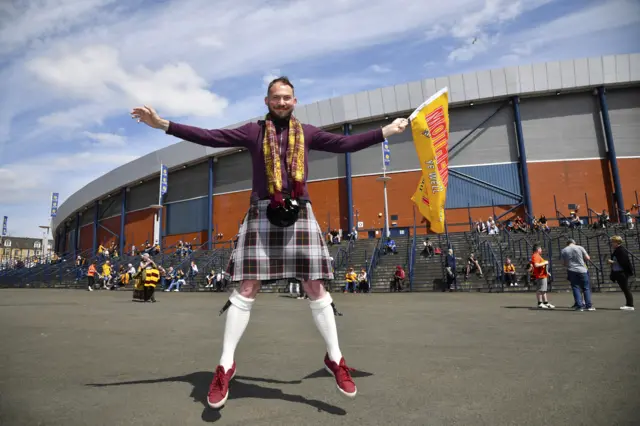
[(430, 129)]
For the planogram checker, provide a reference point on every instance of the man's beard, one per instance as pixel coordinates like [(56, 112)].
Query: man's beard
[(280, 115)]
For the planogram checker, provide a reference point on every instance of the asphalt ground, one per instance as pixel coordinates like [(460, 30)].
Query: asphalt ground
[(70, 357)]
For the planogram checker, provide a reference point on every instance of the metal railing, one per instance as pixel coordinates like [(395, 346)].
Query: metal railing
[(343, 255), (488, 256), (375, 258), (412, 258)]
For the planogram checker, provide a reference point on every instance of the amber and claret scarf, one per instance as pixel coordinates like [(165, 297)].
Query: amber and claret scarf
[(295, 160)]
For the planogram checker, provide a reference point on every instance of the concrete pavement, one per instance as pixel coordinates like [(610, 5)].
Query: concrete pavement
[(70, 357)]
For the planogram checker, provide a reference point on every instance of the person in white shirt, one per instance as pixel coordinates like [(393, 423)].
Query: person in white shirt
[(219, 281), (363, 284), (131, 271), (210, 279)]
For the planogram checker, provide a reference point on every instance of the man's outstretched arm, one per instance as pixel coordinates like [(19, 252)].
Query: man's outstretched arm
[(217, 138), (331, 142)]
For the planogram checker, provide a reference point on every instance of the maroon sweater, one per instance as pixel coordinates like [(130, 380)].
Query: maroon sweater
[(250, 136)]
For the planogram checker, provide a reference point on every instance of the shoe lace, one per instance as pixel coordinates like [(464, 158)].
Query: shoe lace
[(344, 372), (218, 379)]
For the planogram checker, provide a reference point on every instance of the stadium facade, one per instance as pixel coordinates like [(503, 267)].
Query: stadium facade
[(527, 137)]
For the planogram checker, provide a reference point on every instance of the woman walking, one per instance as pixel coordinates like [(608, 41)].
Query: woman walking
[(621, 270)]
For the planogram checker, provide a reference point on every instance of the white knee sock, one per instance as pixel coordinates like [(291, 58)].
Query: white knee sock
[(237, 319), (322, 313)]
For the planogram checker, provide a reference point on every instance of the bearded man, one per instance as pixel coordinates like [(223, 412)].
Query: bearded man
[(279, 237)]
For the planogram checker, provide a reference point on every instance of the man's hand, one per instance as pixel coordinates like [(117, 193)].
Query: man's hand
[(150, 117), (397, 126)]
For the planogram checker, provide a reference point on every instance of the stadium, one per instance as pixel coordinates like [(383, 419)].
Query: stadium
[(543, 138)]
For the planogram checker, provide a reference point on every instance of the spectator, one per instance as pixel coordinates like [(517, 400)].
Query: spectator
[(490, 223), (628, 219), (177, 281), (220, 281), (391, 247), (472, 266), (574, 220), (363, 284), (427, 250), (574, 258), (211, 276), (450, 267), (541, 277), (510, 225), (91, 276), (398, 279), (193, 271), (621, 270), (79, 270), (520, 225), (106, 274), (351, 278), (603, 220), (543, 222), (509, 273), (131, 271)]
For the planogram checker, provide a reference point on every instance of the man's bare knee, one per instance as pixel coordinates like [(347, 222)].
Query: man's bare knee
[(249, 288), (314, 289)]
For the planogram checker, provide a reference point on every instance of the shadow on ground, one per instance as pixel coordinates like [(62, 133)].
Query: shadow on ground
[(556, 309), (241, 387)]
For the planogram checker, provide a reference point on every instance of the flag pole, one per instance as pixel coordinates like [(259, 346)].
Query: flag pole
[(384, 178)]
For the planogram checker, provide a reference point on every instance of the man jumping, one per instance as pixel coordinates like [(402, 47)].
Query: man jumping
[(279, 237)]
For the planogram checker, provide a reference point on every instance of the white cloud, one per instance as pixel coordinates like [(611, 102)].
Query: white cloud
[(478, 30), (107, 139), (32, 22), (270, 76), (380, 69), (96, 73), (25, 181), (601, 16), (25, 186), (473, 48), (435, 32), (210, 41), (493, 12)]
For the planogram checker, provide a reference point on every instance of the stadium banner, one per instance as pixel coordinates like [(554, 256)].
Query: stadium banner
[(430, 130), (164, 179), (54, 204), (386, 155), (4, 226)]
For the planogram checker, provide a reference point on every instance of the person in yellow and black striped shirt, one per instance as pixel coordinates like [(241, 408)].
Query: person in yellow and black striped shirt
[(151, 278), (509, 273)]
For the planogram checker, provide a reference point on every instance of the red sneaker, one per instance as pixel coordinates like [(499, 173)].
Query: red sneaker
[(341, 372), (219, 388)]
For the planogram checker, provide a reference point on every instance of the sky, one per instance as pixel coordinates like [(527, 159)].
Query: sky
[(71, 70)]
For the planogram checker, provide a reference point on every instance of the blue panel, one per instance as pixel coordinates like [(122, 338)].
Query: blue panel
[(461, 193), (187, 216)]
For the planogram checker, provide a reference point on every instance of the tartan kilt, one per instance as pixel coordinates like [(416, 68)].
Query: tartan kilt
[(268, 252)]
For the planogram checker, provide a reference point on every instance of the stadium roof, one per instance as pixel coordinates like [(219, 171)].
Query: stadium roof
[(481, 86)]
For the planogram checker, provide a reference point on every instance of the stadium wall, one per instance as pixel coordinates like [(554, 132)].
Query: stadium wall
[(564, 143), (563, 138)]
